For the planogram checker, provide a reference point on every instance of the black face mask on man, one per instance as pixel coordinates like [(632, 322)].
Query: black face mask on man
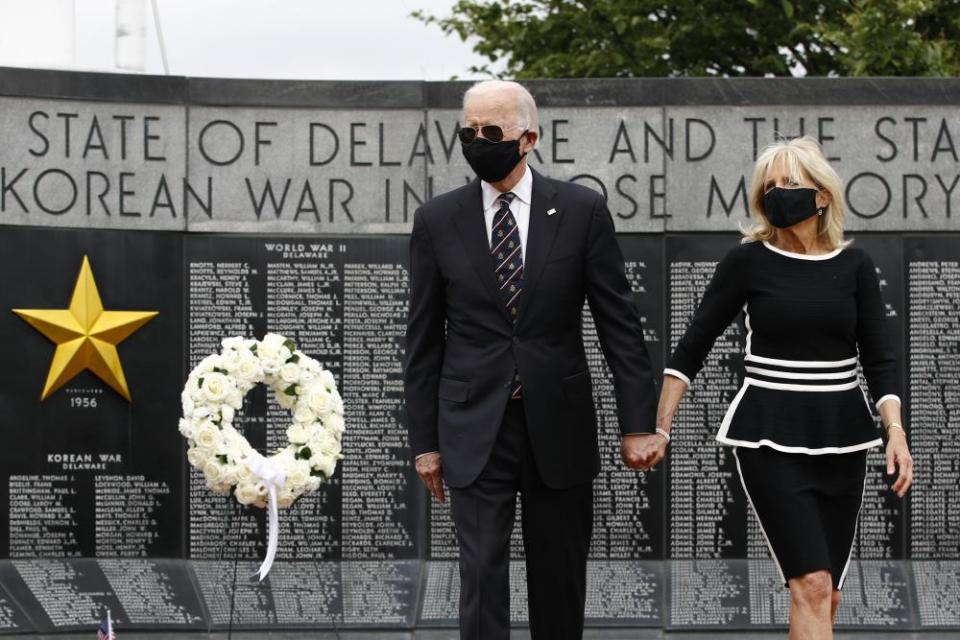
[(786, 207), (493, 161)]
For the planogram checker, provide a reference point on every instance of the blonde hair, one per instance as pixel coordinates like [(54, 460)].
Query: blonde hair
[(801, 155)]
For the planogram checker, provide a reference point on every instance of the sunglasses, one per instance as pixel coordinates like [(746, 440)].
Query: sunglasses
[(491, 132)]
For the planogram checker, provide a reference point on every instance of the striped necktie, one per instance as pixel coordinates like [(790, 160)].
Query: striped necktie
[(507, 256)]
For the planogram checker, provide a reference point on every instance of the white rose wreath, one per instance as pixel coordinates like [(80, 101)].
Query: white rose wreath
[(213, 394)]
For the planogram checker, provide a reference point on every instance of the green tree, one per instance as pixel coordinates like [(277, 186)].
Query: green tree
[(634, 38), (900, 38)]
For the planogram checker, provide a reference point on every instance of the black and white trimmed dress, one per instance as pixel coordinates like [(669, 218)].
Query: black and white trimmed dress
[(810, 320)]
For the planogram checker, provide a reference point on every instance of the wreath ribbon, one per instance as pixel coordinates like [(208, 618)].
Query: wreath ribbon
[(271, 474)]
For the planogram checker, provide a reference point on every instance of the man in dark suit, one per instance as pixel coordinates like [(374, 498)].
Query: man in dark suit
[(498, 393)]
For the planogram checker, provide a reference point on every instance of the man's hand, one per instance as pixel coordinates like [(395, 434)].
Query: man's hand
[(431, 474), (643, 450)]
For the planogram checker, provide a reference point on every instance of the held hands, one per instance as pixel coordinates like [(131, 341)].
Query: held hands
[(430, 471), (643, 451), (898, 455)]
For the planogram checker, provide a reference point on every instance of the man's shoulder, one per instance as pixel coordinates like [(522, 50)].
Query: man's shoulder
[(572, 194), (448, 202)]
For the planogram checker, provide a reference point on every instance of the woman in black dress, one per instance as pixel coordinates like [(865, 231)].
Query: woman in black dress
[(800, 425)]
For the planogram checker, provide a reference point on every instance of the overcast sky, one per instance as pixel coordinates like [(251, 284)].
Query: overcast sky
[(309, 39)]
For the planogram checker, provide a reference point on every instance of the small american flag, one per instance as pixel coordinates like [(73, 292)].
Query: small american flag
[(105, 630)]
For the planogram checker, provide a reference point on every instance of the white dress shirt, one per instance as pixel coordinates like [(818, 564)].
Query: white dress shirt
[(519, 207)]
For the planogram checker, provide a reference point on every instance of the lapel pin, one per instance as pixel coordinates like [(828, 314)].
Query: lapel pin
[(551, 212)]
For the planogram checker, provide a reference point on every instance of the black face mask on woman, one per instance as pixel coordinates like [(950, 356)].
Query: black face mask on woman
[(786, 207), (492, 161)]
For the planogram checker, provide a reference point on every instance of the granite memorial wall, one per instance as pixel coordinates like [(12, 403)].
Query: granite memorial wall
[(237, 207)]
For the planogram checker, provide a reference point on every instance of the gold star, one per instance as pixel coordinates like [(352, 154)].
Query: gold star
[(86, 336)]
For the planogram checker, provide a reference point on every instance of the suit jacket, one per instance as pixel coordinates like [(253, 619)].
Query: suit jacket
[(462, 347)]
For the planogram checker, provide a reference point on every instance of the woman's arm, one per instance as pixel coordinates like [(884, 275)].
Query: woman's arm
[(670, 397), (898, 452), (721, 302), (880, 370)]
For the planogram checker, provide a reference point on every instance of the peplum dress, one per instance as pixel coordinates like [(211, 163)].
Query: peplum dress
[(810, 321)]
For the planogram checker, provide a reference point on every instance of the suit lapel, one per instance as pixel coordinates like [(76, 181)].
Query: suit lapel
[(473, 233), (540, 237)]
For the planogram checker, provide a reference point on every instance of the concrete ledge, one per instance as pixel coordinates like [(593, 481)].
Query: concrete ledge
[(83, 85), (346, 94), (406, 94)]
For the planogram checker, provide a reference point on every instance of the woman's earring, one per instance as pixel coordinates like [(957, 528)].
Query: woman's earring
[(820, 211)]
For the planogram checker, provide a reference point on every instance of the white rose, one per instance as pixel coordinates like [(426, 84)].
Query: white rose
[(303, 414), (207, 435), (231, 360), (246, 493), (290, 372), (271, 364), (233, 438), (297, 434), (297, 475), (334, 422), (313, 483), (244, 474), (272, 351), (273, 341), (185, 427), (266, 350), (213, 471), (285, 457), (285, 401), (285, 498), (234, 451), (235, 398), (318, 399), (222, 487), (227, 413), (230, 474), (198, 456), (187, 403), (201, 413), (327, 444), (208, 364), (216, 387), (248, 368), (327, 379), (316, 429), (326, 464), (236, 342), (306, 375)]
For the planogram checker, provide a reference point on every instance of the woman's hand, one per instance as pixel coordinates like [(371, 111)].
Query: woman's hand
[(898, 456), (642, 451)]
